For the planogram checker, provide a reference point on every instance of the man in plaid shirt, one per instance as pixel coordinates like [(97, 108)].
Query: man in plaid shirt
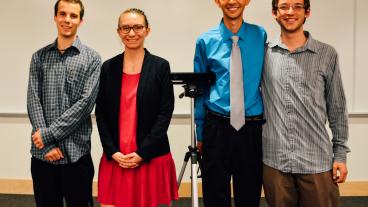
[(62, 88)]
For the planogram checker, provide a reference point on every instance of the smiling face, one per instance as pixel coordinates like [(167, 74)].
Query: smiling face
[(291, 15), (132, 30), (68, 19), (232, 9)]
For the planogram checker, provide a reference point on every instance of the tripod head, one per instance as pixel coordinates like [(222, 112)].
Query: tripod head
[(191, 81)]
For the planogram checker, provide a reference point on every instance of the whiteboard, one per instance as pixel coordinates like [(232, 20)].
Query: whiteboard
[(361, 70), (175, 25)]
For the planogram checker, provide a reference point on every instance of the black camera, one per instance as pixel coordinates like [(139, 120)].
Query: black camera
[(190, 78), (191, 81)]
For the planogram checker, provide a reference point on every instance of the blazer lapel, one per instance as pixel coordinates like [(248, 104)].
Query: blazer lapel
[(145, 73), (116, 81)]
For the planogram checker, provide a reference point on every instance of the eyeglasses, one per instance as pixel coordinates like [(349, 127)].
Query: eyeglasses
[(137, 28), (283, 8)]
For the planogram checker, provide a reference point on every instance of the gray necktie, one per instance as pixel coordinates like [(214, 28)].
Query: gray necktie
[(237, 115)]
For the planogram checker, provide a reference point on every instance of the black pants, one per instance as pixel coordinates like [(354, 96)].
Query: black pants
[(72, 182), (227, 154)]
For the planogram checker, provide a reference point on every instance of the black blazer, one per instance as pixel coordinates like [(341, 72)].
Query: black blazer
[(155, 105)]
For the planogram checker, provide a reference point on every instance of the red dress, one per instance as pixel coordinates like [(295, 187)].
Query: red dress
[(148, 185)]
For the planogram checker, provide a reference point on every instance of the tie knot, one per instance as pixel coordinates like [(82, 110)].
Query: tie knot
[(235, 39)]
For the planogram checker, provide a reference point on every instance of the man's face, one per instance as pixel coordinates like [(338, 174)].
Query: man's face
[(291, 14), (67, 19), (232, 9)]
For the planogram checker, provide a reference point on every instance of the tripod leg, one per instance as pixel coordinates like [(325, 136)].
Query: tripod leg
[(199, 165), (186, 158)]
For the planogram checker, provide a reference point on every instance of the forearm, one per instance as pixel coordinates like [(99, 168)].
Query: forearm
[(34, 106), (337, 113), (339, 128), (199, 116)]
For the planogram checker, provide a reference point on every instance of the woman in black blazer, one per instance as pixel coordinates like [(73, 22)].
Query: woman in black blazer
[(133, 112)]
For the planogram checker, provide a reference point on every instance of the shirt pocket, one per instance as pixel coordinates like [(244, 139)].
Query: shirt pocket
[(306, 81), (76, 76), (75, 73)]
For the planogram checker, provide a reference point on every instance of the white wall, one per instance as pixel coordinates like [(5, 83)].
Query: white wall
[(28, 25), (361, 72)]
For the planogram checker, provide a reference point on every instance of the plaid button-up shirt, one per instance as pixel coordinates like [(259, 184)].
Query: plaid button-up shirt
[(302, 90), (62, 89)]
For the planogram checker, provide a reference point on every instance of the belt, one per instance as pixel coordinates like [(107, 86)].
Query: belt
[(257, 118)]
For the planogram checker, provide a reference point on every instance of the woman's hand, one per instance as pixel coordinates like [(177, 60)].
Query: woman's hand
[(131, 160), (118, 157)]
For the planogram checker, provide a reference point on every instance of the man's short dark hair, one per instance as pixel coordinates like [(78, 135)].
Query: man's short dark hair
[(275, 2), (81, 14)]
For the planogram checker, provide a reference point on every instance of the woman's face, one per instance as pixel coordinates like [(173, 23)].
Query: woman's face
[(132, 30)]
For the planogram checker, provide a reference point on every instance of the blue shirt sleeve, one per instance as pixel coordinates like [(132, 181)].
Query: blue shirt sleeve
[(200, 66)]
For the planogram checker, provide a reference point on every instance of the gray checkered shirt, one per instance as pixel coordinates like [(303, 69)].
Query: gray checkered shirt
[(62, 89), (302, 90)]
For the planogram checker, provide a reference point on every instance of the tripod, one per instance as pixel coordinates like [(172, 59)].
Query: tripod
[(190, 81), (191, 91)]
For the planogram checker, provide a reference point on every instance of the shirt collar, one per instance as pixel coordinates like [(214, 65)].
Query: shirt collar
[(227, 34), (77, 44), (310, 45)]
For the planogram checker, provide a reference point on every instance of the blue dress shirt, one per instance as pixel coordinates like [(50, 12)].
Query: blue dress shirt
[(213, 50)]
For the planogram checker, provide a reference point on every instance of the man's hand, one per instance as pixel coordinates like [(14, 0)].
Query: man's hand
[(199, 146), (339, 172), (37, 139), (54, 155)]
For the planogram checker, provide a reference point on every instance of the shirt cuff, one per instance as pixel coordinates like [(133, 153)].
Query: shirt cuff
[(199, 133), (340, 152), (340, 157), (47, 136)]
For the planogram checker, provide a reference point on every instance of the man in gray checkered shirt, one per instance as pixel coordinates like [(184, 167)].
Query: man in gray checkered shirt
[(302, 89), (62, 88)]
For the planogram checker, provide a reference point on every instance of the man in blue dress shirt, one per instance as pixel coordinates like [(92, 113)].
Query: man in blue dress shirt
[(228, 152)]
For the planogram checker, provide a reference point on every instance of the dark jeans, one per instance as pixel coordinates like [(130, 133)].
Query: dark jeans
[(73, 182), (227, 154)]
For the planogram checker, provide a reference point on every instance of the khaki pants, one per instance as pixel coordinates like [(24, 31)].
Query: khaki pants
[(299, 190)]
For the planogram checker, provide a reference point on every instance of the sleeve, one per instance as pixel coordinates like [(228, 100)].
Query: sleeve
[(161, 125), (102, 118), (200, 66), (337, 112), (34, 106), (80, 110), (34, 93)]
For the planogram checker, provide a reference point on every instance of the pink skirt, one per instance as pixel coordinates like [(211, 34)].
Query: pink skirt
[(148, 185)]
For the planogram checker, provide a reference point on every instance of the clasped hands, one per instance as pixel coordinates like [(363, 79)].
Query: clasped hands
[(54, 154), (131, 160)]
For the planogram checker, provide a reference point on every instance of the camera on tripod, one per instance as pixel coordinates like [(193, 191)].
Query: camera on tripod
[(192, 83), (189, 78)]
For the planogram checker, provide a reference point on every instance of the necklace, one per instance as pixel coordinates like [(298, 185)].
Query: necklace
[(133, 66)]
